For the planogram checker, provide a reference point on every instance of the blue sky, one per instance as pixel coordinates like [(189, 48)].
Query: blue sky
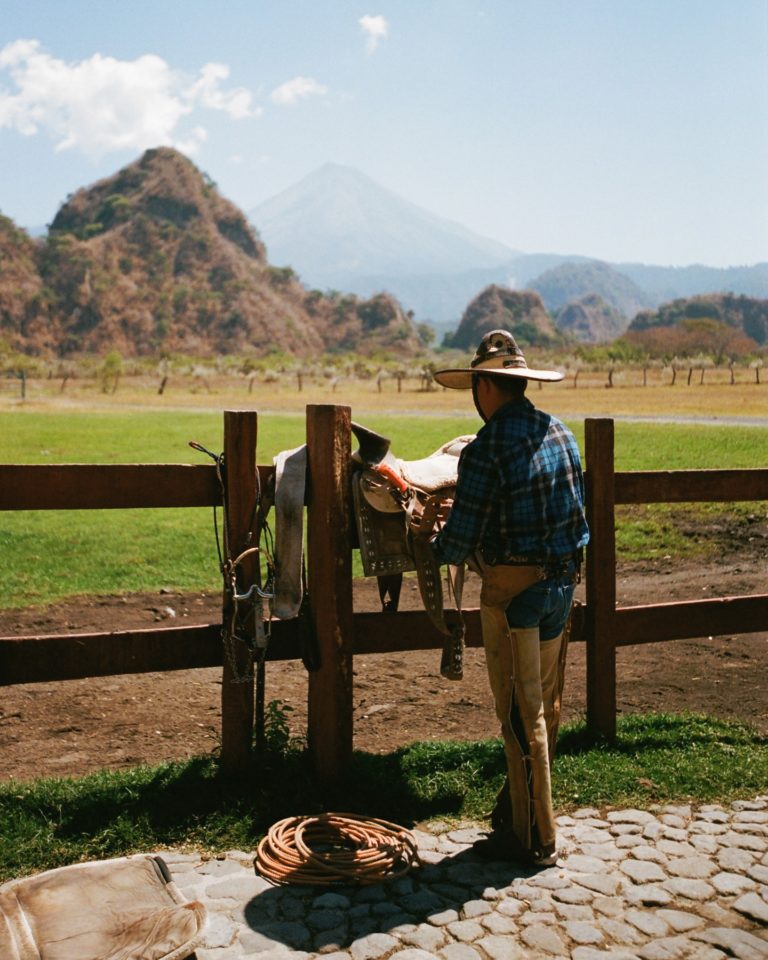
[(618, 129)]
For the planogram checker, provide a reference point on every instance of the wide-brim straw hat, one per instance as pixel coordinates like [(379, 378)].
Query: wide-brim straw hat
[(498, 355)]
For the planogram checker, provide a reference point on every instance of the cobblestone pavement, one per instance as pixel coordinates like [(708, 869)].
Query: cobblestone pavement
[(676, 882)]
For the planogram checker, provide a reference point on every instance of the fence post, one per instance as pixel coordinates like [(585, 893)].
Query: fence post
[(329, 561), (601, 577), (240, 430)]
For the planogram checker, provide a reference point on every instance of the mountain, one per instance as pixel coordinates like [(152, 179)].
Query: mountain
[(571, 281), (340, 230), (154, 258), (520, 312), (337, 225), (440, 298), (671, 283)]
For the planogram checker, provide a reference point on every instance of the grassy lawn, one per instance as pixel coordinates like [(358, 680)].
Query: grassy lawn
[(655, 759), (49, 555)]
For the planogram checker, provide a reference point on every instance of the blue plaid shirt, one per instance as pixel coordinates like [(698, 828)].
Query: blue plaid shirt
[(520, 493)]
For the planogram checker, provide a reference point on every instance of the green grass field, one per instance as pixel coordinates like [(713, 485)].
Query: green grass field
[(50, 555)]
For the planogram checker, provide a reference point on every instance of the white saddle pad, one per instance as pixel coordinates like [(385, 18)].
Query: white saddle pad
[(438, 470)]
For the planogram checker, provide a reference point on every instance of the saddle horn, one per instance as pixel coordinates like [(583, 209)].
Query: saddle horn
[(373, 447)]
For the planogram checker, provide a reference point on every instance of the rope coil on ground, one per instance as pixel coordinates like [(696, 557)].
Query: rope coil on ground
[(335, 848)]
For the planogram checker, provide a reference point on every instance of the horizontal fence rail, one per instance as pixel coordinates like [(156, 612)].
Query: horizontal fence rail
[(75, 486), (684, 619), (108, 486), (75, 656), (691, 486)]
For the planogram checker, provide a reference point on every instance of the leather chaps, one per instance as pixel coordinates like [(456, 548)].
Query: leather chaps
[(526, 678)]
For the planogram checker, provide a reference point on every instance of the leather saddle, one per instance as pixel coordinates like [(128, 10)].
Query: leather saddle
[(397, 505)]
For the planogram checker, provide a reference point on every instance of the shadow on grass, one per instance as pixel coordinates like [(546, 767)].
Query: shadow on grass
[(177, 802)]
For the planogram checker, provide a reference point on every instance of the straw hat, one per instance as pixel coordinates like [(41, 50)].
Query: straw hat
[(498, 354)]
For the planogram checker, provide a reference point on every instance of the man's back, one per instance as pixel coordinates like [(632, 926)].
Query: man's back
[(520, 495)]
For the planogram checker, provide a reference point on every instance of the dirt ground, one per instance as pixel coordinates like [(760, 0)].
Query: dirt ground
[(74, 727)]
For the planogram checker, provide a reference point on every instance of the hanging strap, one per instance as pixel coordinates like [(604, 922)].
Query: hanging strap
[(422, 522), (262, 598), (290, 484)]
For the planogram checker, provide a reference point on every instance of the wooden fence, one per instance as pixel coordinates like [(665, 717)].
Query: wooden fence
[(339, 633)]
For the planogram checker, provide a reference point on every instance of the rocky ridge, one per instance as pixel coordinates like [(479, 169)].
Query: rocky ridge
[(23, 302), (154, 259)]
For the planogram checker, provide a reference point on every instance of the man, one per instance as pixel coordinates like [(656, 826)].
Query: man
[(518, 513)]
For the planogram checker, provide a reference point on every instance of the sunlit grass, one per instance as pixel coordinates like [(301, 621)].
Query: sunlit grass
[(49, 555), (715, 398)]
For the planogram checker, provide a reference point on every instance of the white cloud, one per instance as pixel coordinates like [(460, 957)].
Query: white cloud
[(102, 104), (375, 28), (297, 89), (237, 102)]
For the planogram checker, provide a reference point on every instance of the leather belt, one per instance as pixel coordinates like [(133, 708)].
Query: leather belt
[(569, 564)]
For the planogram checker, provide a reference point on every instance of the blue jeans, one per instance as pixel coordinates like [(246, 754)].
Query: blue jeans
[(545, 605)]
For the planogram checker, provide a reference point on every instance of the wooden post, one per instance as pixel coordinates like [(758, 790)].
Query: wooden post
[(329, 560), (240, 429), (601, 578)]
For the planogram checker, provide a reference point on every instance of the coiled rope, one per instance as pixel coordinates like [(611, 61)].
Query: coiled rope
[(335, 848)]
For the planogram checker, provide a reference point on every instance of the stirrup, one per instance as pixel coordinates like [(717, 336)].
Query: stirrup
[(452, 659)]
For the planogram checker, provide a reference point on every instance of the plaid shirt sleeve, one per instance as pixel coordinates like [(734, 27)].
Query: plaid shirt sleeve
[(476, 491)]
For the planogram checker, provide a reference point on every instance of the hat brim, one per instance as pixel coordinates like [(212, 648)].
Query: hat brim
[(461, 378)]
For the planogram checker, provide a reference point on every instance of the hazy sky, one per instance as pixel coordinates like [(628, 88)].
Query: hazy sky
[(618, 129)]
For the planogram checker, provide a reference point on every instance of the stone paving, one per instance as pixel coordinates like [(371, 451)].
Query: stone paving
[(678, 881)]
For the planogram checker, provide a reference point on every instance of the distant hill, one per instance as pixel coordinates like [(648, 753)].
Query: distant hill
[(572, 281), (670, 283), (590, 320), (337, 225), (520, 312), (154, 258), (440, 298), (746, 314)]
